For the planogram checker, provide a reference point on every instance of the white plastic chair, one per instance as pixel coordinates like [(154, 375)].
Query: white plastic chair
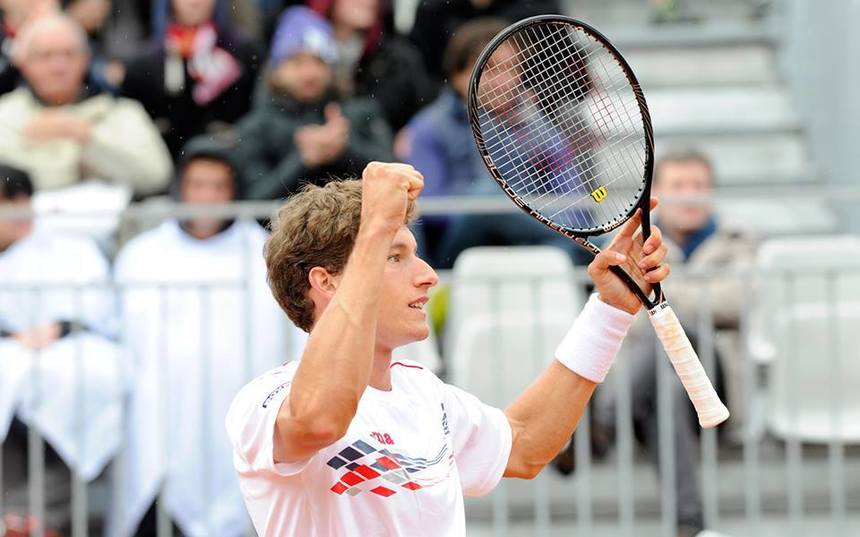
[(497, 356), (799, 270), (509, 308), (814, 393)]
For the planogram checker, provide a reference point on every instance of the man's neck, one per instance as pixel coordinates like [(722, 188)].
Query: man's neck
[(203, 233), (380, 372), (677, 236), (59, 99)]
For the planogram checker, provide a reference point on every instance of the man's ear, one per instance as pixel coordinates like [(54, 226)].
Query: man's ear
[(322, 281)]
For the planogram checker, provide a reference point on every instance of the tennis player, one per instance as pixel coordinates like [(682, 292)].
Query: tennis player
[(349, 442)]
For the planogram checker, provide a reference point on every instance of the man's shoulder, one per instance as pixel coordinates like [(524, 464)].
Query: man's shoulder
[(252, 231), (414, 374), (120, 105), (264, 388), (726, 245), (150, 239), (149, 245), (729, 238), (19, 99), (64, 245)]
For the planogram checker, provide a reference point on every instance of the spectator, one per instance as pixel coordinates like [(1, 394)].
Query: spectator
[(302, 130), (58, 374), (436, 22), (696, 241), (703, 244), (194, 290), (374, 62), (438, 142), (62, 131), (198, 77), (15, 14)]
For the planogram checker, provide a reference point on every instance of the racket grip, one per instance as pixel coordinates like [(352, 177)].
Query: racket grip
[(708, 406)]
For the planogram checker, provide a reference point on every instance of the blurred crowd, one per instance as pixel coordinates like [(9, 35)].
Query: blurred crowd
[(100, 99), (126, 346), (108, 102)]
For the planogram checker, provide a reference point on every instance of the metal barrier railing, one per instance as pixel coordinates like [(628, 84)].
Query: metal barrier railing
[(745, 482), (750, 482)]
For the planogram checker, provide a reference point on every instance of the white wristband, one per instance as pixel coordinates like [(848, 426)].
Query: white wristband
[(592, 342)]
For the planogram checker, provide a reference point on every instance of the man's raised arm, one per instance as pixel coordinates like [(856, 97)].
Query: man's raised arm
[(336, 364), (543, 417)]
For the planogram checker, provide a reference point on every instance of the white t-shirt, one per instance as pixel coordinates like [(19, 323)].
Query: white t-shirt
[(403, 467)]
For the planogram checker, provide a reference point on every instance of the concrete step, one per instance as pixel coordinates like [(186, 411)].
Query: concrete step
[(779, 216), (661, 67), (641, 34), (641, 11), (728, 110), (748, 159)]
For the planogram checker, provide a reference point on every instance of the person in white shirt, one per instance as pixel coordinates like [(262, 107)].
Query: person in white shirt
[(63, 130), (199, 321), (349, 442), (60, 372)]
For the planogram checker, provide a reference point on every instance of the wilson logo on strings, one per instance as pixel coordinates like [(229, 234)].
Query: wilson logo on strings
[(599, 194)]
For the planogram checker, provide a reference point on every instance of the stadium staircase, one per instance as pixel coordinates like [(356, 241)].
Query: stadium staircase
[(713, 82)]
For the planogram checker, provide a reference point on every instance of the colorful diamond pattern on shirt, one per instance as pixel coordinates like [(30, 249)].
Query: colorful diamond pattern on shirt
[(394, 468)]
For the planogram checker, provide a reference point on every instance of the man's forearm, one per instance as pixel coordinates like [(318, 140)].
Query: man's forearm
[(544, 416), (337, 361)]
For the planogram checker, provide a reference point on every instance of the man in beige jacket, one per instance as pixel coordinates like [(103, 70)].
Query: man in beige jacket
[(709, 259), (60, 131)]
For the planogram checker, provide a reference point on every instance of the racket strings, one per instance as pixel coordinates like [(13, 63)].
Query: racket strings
[(562, 124), (557, 188), (577, 144), (515, 92), (604, 104), (530, 48), (586, 165)]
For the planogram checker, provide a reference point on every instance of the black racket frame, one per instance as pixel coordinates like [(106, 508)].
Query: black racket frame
[(643, 202)]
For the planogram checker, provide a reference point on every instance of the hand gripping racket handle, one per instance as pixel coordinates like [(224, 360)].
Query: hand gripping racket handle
[(710, 409)]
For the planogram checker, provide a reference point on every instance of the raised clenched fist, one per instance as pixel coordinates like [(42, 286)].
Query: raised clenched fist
[(387, 189)]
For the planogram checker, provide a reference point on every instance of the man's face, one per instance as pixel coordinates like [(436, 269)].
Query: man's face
[(304, 76), (193, 12), (681, 178), (13, 229), (355, 14), (22, 8), (54, 63), (500, 78), (207, 181), (402, 318), (18, 6)]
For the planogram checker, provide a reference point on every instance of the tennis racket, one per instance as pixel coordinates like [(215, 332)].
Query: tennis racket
[(563, 127)]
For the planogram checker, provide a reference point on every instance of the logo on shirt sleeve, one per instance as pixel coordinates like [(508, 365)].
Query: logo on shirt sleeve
[(274, 393)]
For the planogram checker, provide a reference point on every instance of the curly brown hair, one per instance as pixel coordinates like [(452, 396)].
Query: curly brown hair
[(314, 228)]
